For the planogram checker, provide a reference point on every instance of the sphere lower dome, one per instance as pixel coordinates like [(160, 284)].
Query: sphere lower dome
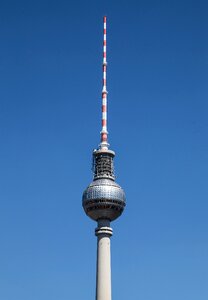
[(103, 199)]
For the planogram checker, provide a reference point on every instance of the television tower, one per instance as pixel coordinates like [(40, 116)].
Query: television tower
[(103, 200)]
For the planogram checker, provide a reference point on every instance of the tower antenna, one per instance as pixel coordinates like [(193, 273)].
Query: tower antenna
[(104, 133)]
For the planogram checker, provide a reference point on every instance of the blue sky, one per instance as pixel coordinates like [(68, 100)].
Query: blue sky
[(50, 111)]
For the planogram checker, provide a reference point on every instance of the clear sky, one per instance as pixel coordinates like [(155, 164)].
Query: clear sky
[(50, 110)]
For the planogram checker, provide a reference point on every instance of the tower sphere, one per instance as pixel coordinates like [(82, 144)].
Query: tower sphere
[(103, 199)]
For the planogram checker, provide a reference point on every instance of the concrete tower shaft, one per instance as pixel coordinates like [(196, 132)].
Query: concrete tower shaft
[(103, 279)]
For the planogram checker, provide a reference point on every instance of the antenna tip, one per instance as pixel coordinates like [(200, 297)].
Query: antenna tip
[(104, 18)]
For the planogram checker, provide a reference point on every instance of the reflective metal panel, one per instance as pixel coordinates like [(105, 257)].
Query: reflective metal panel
[(104, 189)]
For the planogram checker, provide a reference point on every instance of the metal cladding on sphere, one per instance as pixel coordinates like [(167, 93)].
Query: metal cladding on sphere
[(104, 199)]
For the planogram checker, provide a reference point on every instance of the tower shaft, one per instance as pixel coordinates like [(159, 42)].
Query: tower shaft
[(103, 272)]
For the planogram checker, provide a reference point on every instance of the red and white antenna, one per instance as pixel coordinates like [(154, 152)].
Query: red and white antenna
[(104, 133)]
